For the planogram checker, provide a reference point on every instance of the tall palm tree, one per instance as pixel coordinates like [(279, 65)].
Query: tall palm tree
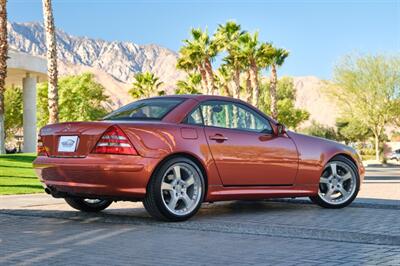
[(275, 57), (197, 54), (223, 77), (51, 61), (146, 85), (236, 64), (3, 68), (251, 53), (226, 38), (227, 35), (191, 65), (189, 86)]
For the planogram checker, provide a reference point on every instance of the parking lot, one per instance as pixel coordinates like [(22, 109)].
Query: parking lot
[(39, 230)]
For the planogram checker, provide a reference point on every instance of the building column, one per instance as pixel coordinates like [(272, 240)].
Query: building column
[(29, 114)]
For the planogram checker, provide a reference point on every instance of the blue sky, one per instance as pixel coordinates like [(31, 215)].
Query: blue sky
[(317, 33)]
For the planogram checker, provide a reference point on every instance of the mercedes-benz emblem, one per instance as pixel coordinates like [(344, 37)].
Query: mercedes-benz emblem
[(67, 128)]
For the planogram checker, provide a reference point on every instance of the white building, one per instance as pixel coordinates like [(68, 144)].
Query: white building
[(24, 70)]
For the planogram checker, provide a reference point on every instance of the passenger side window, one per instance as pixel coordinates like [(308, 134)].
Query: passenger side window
[(232, 115), (194, 118)]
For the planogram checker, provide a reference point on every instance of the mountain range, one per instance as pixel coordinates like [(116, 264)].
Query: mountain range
[(115, 63)]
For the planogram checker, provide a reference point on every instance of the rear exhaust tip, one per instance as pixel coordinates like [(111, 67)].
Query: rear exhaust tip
[(54, 192)]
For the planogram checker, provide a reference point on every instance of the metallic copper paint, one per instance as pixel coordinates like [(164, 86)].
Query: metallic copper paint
[(266, 159), (255, 166)]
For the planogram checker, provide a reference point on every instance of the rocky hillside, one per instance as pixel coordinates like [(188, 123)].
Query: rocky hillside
[(121, 60), (310, 95), (115, 63)]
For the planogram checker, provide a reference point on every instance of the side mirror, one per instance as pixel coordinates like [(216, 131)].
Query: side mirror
[(280, 129)]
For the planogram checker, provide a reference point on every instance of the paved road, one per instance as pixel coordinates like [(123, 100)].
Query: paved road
[(382, 183), (37, 230), (383, 174)]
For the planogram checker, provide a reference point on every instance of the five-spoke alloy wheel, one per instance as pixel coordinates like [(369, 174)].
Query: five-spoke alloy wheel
[(339, 184), (175, 191)]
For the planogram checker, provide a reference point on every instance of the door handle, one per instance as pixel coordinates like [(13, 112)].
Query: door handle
[(218, 137)]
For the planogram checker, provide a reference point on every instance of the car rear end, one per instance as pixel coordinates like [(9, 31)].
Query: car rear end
[(90, 159)]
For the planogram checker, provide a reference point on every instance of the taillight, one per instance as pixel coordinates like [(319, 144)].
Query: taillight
[(114, 141), (41, 149)]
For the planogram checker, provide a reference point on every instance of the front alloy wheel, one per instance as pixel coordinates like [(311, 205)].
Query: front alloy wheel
[(339, 184)]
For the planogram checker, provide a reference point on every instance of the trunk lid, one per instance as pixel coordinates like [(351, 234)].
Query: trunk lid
[(72, 139)]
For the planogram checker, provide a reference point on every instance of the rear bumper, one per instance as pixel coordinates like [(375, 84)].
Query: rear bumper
[(112, 176)]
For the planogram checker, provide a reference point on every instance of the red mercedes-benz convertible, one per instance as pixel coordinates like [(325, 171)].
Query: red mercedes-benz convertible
[(175, 152)]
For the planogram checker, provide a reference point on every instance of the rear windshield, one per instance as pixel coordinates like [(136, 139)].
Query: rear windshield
[(151, 109)]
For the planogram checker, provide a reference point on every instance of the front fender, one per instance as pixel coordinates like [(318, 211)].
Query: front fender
[(315, 152)]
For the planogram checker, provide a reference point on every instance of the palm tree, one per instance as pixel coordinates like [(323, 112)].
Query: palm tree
[(236, 64), (255, 57), (3, 68), (51, 61), (146, 85), (192, 85), (226, 38), (189, 64), (222, 78), (197, 55), (275, 57), (227, 35), (249, 46)]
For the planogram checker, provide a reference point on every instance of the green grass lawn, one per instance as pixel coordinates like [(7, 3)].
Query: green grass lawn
[(17, 175)]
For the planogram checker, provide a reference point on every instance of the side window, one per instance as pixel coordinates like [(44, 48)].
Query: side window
[(234, 116), (194, 118)]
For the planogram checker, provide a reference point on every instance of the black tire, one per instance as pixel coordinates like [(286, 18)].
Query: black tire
[(319, 201), (85, 206), (153, 202)]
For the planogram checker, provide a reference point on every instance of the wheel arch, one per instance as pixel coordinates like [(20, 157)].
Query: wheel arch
[(347, 156)]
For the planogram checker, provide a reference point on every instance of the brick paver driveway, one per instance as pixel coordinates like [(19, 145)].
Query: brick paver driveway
[(40, 230)]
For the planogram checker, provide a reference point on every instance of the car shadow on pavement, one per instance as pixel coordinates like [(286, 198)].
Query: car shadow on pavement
[(138, 215), (208, 211), (240, 207)]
